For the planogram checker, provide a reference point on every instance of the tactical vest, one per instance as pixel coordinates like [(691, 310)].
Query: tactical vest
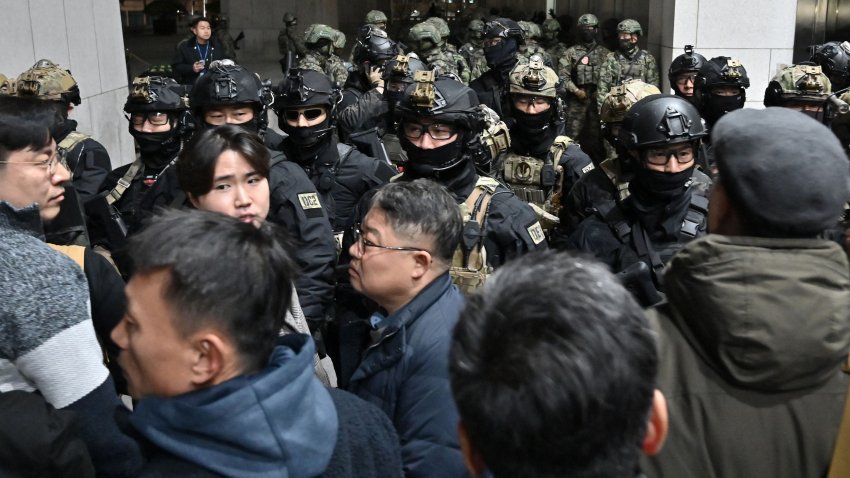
[(631, 69), (65, 147), (585, 73), (469, 267), (530, 178)]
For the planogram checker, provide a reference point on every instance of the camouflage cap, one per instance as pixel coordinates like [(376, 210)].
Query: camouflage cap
[(530, 29), (441, 25), (804, 82), (534, 78), (551, 25), (317, 32), (588, 20), (425, 31), (620, 99), (629, 26), (47, 81), (375, 16)]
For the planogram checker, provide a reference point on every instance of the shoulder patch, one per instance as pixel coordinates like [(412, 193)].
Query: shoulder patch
[(587, 168), (536, 233), (310, 204)]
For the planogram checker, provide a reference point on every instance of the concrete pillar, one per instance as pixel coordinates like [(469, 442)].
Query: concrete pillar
[(758, 32), (85, 37)]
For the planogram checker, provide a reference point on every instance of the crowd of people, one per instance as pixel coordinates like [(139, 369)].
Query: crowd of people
[(429, 274)]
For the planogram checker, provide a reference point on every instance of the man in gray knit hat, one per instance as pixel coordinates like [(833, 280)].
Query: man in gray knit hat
[(756, 323)]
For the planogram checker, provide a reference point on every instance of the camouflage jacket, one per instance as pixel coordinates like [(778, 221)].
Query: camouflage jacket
[(556, 52), (287, 40), (332, 66), (474, 56), (443, 60), (460, 61), (525, 52), (618, 67), (580, 65)]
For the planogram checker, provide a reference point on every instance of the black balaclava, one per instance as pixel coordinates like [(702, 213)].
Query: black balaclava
[(158, 149), (532, 133), (626, 46), (661, 200), (308, 141), (717, 106), (587, 35), (429, 163), (502, 55)]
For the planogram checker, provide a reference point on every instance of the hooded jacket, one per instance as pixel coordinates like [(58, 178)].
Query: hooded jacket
[(751, 342), (281, 422)]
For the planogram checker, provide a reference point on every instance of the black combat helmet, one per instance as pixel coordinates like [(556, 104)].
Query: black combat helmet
[(227, 83), (720, 71), (834, 58), (373, 46), (154, 99), (688, 62), (302, 88), (444, 100), (659, 120), (503, 53), (400, 71)]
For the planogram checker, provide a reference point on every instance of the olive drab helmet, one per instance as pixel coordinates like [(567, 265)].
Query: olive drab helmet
[(319, 35), (834, 59), (375, 17), (721, 71), (658, 120), (476, 29), (227, 83), (289, 19), (551, 29), (442, 27), (48, 81), (588, 20), (629, 26), (800, 84), (445, 100), (534, 78), (530, 30), (425, 37), (618, 102), (374, 46)]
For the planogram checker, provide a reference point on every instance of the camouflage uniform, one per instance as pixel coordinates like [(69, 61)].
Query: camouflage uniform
[(531, 47), (579, 68), (619, 66), (450, 50), (321, 41), (549, 40), (472, 51), (288, 39), (427, 43)]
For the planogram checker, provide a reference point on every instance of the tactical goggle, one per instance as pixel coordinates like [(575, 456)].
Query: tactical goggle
[(309, 114)]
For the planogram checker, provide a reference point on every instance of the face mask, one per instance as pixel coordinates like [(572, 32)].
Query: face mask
[(626, 45), (532, 122), (157, 149), (717, 106), (587, 36), (425, 162), (502, 53), (662, 185)]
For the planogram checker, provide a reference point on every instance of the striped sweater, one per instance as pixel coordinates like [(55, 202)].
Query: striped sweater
[(47, 340)]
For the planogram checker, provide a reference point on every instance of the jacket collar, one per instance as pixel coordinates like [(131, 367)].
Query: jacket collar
[(26, 220)]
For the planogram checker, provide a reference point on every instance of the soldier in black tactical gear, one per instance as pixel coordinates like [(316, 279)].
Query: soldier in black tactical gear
[(440, 127), (230, 94), (502, 38), (668, 199), (86, 159), (372, 114), (159, 121), (834, 60), (720, 87), (306, 108), (372, 50), (683, 74)]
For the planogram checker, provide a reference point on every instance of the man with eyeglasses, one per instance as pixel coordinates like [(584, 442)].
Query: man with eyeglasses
[(47, 339), (158, 120), (683, 74), (440, 128), (400, 259), (668, 197)]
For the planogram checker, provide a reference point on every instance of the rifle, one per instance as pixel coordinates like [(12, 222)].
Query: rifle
[(238, 39)]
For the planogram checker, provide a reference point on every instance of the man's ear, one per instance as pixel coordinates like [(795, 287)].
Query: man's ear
[(422, 263), (210, 360), (193, 200), (656, 429), (471, 458)]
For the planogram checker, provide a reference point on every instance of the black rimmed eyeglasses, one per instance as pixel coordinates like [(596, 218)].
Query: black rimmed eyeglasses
[(363, 243)]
